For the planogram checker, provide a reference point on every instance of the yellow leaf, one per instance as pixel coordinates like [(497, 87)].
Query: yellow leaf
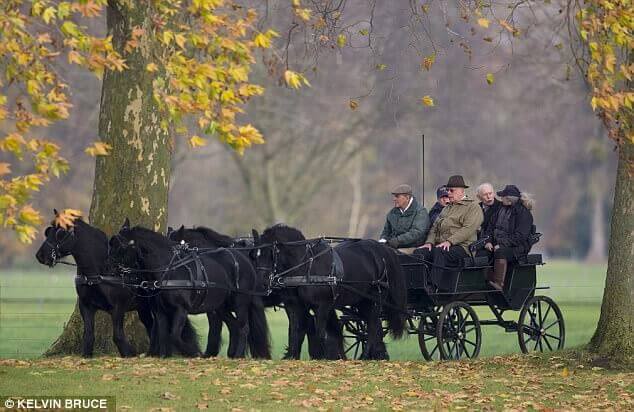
[(30, 216), (180, 40), (483, 22), (263, 41), (66, 219), (429, 61), (5, 168), (197, 141), (490, 78), (341, 40), (565, 373), (98, 149), (303, 14), (428, 101), (151, 67), (353, 104), (167, 37)]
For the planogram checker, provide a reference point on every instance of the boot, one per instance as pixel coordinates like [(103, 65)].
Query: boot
[(499, 273)]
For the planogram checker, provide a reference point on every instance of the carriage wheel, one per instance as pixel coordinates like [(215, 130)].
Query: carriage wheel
[(355, 329), (427, 337), (541, 326), (458, 332)]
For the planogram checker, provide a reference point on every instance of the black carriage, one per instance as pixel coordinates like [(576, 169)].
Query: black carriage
[(442, 314)]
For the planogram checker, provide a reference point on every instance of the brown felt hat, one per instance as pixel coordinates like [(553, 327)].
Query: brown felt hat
[(456, 181), (402, 190)]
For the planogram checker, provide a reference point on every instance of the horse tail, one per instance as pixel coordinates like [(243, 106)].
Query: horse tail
[(258, 338), (397, 294), (190, 335)]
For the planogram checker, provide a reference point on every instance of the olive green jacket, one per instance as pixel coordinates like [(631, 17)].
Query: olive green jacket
[(458, 223), (409, 228)]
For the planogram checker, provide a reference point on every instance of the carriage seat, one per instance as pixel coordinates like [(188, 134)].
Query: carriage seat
[(531, 259), (476, 261)]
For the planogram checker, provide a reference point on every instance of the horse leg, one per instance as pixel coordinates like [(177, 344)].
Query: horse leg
[(375, 348), (118, 335), (242, 317), (160, 331), (234, 332), (322, 315), (88, 316), (214, 337), (315, 347), (296, 330), (145, 315), (179, 317)]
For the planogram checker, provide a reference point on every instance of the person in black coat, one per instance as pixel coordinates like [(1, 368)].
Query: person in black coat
[(442, 194), (509, 233)]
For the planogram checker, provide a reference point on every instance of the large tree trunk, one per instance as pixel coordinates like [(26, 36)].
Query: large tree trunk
[(133, 180), (614, 337)]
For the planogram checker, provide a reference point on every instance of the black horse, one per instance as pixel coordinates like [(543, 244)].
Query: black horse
[(369, 280), (97, 288), (193, 282), (301, 323), (203, 238)]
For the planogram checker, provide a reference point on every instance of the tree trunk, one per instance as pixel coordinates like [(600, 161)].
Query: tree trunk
[(614, 336), (597, 249), (133, 180)]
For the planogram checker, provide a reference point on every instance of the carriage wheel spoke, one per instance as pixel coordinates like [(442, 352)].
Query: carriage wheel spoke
[(469, 330), (469, 342), (547, 343), (551, 325), (539, 312), (543, 320), (552, 336), (431, 354), (541, 347), (536, 343), (429, 337)]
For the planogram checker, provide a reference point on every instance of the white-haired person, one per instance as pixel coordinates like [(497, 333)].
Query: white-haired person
[(489, 205), (509, 233)]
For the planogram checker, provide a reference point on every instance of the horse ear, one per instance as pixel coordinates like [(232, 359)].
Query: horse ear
[(55, 212), (126, 224), (256, 235), (181, 228)]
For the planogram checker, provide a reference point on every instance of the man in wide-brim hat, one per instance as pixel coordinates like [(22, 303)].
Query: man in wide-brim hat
[(453, 231), (406, 225)]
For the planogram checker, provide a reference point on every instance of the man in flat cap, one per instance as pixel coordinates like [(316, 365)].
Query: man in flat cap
[(454, 229), (407, 223)]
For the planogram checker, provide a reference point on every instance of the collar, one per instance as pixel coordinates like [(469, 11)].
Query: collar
[(411, 199)]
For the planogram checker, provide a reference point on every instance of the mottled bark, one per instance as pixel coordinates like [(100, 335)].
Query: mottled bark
[(614, 337), (133, 180)]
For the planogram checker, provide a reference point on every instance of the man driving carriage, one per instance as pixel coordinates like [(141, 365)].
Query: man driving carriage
[(407, 224), (454, 229)]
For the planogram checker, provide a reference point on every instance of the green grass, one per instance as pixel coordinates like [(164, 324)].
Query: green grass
[(513, 382), (34, 306)]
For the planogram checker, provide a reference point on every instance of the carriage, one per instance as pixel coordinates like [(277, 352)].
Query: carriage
[(443, 313)]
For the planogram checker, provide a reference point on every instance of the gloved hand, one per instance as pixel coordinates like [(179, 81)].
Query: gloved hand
[(393, 242)]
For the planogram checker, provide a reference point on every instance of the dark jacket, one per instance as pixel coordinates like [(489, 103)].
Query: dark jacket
[(489, 217), (409, 228), (512, 228), (434, 212)]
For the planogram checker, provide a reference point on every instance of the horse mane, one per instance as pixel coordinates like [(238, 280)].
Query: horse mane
[(152, 238), (91, 230), (214, 237), (283, 233)]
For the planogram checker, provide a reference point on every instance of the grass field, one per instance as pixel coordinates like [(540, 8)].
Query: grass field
[(34, 306)]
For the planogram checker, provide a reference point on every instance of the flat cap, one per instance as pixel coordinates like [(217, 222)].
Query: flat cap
[(402, 190)]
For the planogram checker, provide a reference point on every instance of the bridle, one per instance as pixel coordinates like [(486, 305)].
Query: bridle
[(56, 253)]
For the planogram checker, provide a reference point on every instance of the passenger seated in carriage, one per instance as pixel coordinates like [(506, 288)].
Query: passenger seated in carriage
[(453, 231), (407, 224), (509, 234)]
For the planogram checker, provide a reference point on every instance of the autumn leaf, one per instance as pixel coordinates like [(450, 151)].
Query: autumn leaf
[(98, 149), (151, 67), (429, 61), (66, 218), (197, 141), (341, 40), (353, 104), (30, 216), (5, 168), (490, 78), (295, 80), (427, 101), (483, 22)]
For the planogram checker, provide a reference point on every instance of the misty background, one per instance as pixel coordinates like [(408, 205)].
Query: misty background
[(335, 150)]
